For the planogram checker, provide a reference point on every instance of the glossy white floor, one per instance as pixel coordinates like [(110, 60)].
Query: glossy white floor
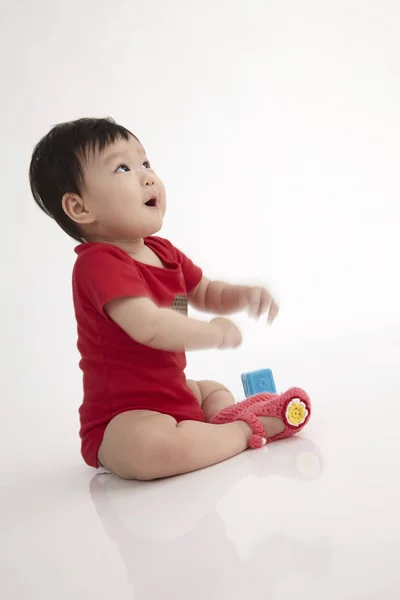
[(313, 517)]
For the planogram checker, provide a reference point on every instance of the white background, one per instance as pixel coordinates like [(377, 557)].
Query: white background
[(275, 127)]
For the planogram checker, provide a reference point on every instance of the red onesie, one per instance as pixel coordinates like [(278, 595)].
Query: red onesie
[(120, 374)]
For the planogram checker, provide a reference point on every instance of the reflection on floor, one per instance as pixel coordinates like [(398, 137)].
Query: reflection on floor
[(315, 516), (176, 534)]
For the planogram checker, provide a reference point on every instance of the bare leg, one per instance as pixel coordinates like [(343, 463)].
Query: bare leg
[(146, 445), (212, 396)]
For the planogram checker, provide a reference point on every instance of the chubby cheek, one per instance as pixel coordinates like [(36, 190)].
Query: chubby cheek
[(113, 212), (163, 196), (124, 200)]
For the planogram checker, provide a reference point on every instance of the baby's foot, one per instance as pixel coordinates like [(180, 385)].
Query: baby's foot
[(233, 412), (272, 418), (272, 425), (286, 415)]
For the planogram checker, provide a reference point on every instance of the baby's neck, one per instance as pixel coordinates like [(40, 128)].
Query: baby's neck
[(132, 247)]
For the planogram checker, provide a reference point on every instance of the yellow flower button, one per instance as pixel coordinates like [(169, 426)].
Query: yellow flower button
[(296, 412)]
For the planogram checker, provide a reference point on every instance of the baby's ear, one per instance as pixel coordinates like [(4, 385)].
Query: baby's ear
[(74, 206)]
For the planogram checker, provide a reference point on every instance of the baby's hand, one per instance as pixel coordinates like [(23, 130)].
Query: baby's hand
[(232, 338), (260, 302)]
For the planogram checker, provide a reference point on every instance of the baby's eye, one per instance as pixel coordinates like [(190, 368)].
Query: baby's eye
[(122, 169), (146, 164)]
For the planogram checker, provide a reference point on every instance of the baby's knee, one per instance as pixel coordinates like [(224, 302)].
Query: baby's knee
[(195, 389), (137, 446), (208, 388), (152, 458)]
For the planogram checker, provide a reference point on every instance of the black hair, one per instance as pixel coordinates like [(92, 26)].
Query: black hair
[(56, 164)]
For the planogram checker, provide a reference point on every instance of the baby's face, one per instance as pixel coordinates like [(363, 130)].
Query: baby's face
[(125, 197)]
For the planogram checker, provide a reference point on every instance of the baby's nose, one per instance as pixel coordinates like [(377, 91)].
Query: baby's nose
[(147, 177)]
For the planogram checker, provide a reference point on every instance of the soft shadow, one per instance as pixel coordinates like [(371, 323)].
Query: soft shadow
[(174, 543)]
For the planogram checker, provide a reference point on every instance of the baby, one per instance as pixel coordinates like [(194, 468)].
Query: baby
[(140, 417)]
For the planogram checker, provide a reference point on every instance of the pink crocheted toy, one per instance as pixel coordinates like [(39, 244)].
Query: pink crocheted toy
[(293, 407)]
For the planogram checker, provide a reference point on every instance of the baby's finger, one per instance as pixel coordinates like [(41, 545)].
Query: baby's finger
[(273, 312), (265, 303), (254, 302)]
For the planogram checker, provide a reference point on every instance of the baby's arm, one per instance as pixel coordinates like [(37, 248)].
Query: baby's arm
[(166, 329), (224, 299)]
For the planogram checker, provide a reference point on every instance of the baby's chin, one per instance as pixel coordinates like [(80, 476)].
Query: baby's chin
[(132, 233), (152, 229)]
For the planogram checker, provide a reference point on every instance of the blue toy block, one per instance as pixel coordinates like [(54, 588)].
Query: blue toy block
[(257, 382)]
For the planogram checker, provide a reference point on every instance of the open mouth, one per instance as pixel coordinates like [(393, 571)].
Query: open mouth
[(152, 202)]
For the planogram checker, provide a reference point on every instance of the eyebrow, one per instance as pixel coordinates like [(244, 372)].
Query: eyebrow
[(113, 156), (120, 154)]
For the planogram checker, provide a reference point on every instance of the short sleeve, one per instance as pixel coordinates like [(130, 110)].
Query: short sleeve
[(192, 273), (103, 273)]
